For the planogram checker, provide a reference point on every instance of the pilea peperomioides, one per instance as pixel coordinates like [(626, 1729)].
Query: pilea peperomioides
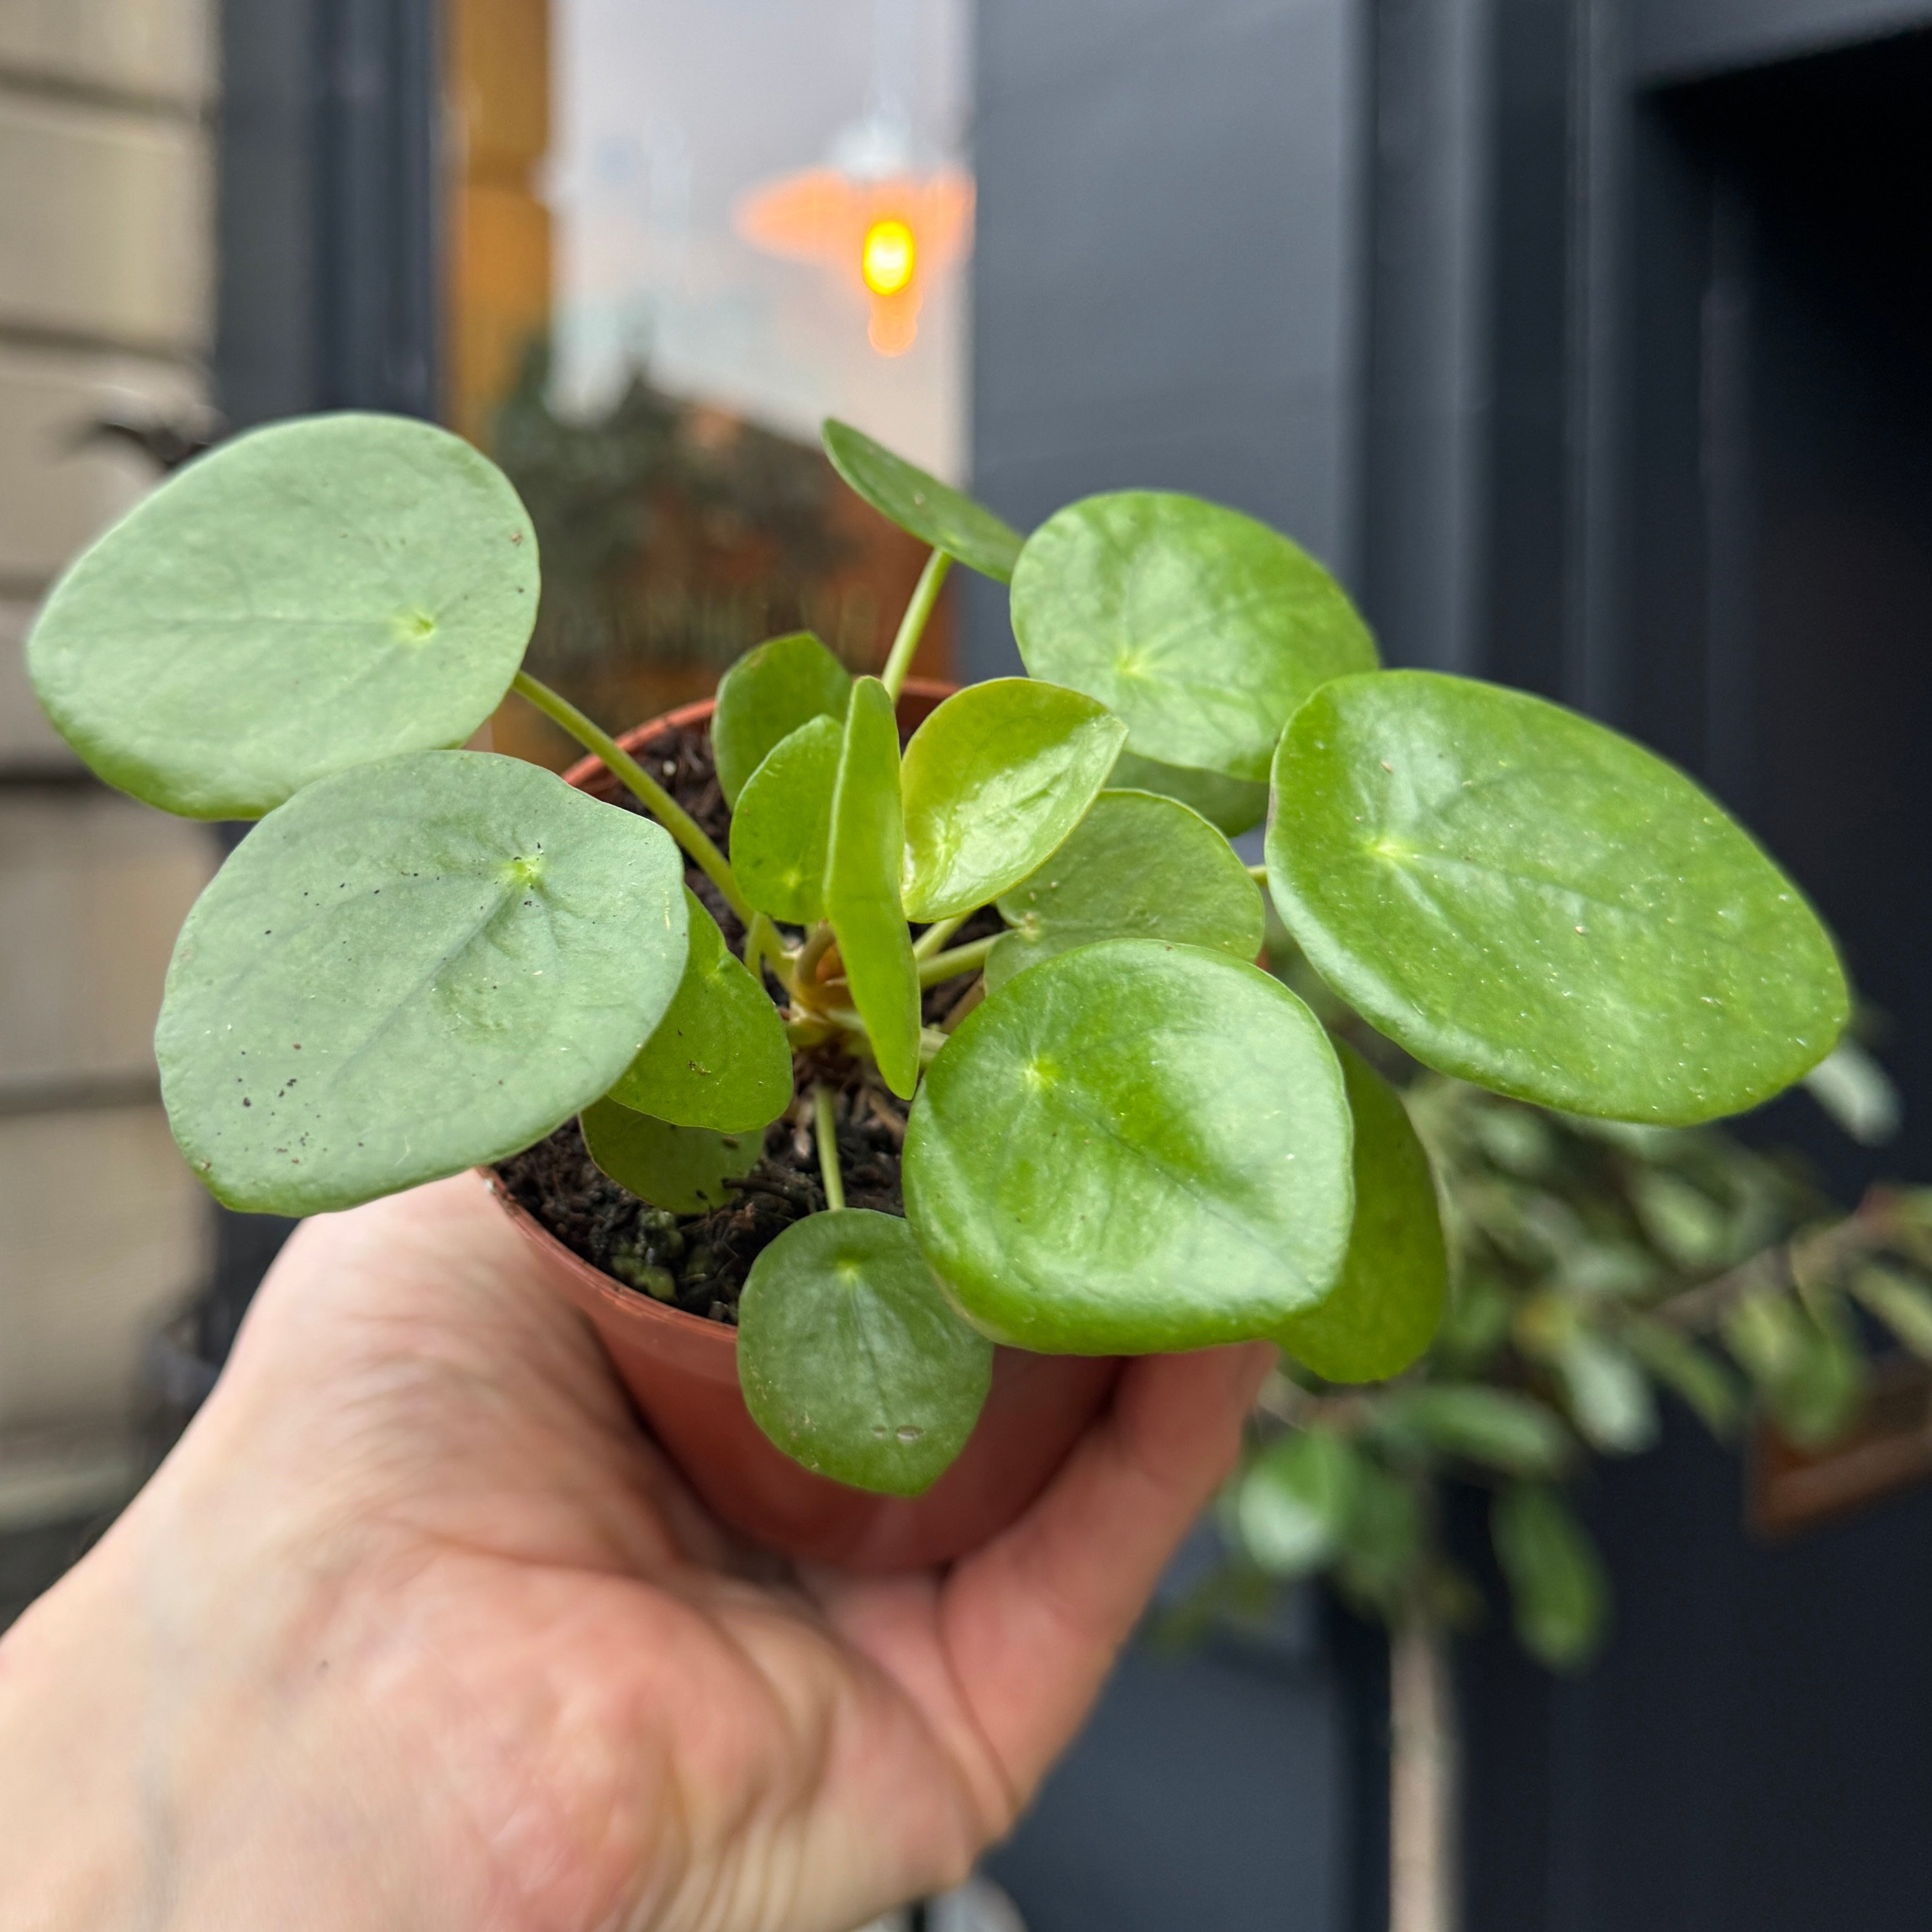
[(426, 958)]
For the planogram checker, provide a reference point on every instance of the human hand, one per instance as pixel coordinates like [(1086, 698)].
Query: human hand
[(415, 1629)]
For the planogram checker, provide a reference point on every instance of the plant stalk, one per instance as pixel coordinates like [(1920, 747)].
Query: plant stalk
[(943, 966), (825, 1129), (1425, 1779), (641, 785), (912, 626), (935, 936)]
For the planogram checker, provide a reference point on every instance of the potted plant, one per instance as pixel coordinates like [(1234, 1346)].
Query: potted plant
[(1119, 1134)]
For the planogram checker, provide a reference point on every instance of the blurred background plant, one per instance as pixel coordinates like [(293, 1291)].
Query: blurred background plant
[(1598, 1270)]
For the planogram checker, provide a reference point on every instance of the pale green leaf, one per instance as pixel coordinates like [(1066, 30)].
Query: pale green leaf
[(994, 780), (1295, 1498), (1385, 1309), (1524, 899), (1231, 806), (766, 696), (862, 886), (850, 1359), (781, 828), (931, 511), (719, 1057), (1556, 1579), (415, 967), (1133, 1147), (1136, 867), (684, 1170), (1202, 629), (315, 595)]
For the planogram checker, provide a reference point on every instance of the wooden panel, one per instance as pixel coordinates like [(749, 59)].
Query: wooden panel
[(161, 49), (106, 1233), (28, 744), (105, 232), (57, 489), (500, 255), (96, 887)]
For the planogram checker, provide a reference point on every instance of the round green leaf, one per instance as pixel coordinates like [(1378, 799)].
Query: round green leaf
[(719, 1057), (1202, 628), (934, 512), (1525, 900), (782, 825), (1231, 806), (765, 697), (1138, 867), (1132, 1148), (862, 886), (683, 1169), (1293, 1507), (993, 780), (1387, 1305), (305, 598), (1556, 1580), (850, 1359), (419, 966)]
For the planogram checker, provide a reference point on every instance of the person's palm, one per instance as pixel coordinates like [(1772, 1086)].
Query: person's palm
[(417, 1629)]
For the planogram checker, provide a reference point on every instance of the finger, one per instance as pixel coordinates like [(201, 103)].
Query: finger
[(1032, 1622)]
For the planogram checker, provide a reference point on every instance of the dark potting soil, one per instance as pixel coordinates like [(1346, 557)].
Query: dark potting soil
[(708, 1256)]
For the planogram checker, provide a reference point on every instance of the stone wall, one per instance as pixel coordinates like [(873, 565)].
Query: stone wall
[(106, 293)]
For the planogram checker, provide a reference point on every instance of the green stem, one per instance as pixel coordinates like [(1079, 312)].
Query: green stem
[(944, 966), (641, 785), (935, 936), (762, 942), (1258, 873), (826, 1130), (912, 626)]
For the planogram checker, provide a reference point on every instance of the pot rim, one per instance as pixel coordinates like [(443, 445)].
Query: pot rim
[(580, 777)]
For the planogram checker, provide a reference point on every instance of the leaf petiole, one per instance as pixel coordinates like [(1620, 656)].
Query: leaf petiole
[(943, 966), (641, 785), (825, 1129), (912, 626), (935, 936)]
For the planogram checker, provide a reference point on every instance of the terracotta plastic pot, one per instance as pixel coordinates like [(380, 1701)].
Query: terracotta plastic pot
[(683, 1373)]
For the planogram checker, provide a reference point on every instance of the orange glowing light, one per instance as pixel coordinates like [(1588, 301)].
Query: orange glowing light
[(889, 257), (890, 236)]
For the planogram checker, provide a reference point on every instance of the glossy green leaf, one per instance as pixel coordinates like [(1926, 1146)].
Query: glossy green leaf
[(1525, 900), (1133, 1147), (683, 1169), (1136, 867), (1495, 1427), (1387, 1307), (765, 697), (782, 828), (1295, 1499), (1556, 1580), (413, 968), (994, 781), (1231, 806), (862, 886), (309, 597), (719, 1057), (1203, 629), (850, 1358), (931, 511)]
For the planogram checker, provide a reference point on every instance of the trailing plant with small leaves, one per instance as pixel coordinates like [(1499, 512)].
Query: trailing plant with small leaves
[(1128, 1137), (1601, 1271)]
